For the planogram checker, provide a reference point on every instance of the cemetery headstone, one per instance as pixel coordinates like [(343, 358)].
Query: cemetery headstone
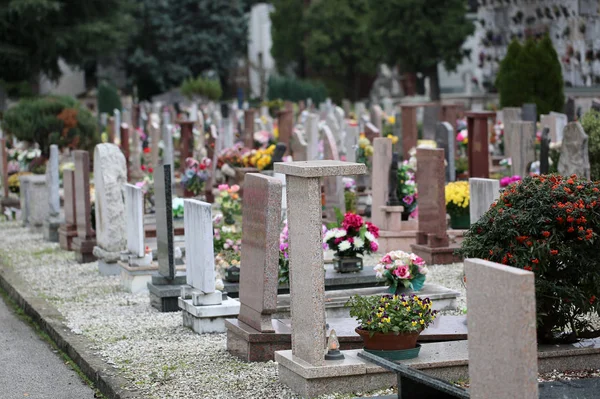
[(377, 116), (167, 137), (312, 136), (134, 204), (125, 130), (334, 186), (109, 181), (529, 112), (478, 149), (37, 198), (154, 129), (545, 152), (186, 141), (286, 125), (68, 230), (483, 193), (521, 147), (53, 220), (503, 353), (445, 139), (393, 199), (280, 150), (84, 243), (24, 198), (299, 146), (382, 160), (409, 129), (135, 164), (561, 123), (3, 168), (574, 153), (351, 141), (249, 116), (431, 117), (117, 124), (570, 109), (509, 115)]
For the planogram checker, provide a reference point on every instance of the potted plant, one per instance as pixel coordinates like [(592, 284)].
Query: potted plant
[(349, 237), (391, 324), (194, 177), (401, 270), (457, 204)]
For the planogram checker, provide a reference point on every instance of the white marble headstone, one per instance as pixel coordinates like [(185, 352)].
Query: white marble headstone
[(53, 183), (200, 256), (134, 204)]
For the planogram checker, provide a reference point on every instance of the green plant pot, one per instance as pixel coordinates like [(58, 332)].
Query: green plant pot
[(404, 354), (347, 264), (232, 274), (460, 222)]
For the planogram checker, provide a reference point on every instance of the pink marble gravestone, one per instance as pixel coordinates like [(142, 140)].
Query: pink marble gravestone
[(68, 230), (249, 116), (84, 243), (478, 149), (285, 124)]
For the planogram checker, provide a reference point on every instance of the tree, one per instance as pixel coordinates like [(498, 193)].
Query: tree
[(531, 73), (287, 35), (185, 38), (35, 34), (339, 43), (420, 34)]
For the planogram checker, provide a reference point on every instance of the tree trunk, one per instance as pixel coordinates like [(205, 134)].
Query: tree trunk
[(434, 84)]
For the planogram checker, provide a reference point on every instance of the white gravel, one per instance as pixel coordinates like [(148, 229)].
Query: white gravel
[(151, 349)]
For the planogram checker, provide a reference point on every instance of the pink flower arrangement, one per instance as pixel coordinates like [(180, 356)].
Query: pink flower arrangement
[(352, 236), (402, 269), (507, 181)]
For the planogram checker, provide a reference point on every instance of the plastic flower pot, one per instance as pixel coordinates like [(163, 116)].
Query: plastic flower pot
[(232, 274), (460, 222), (347, 264), (390, 345)]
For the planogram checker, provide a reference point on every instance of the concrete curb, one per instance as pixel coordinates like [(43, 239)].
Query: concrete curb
[(106, 379)]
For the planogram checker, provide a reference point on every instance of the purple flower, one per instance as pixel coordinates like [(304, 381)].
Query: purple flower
[(408, 199), (505, 181)]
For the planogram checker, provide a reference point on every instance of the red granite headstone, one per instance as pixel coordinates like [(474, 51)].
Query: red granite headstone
[(85, 241), (187, 141), (68, 230), (478, 148), (249, 116), (431, 181), (409, 129), (286, 125)]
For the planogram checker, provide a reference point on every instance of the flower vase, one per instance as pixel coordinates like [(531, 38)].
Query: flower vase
[(460, 222), (347, 264), (228, 220)]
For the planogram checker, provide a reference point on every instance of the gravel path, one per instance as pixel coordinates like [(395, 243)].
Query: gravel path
[(152, 350)]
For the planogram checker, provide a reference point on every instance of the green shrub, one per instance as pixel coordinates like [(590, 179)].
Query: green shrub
[(531, 73), (108, 98), (52, 120), (550, 225), (591, 126), (293, 89), (199, 86)]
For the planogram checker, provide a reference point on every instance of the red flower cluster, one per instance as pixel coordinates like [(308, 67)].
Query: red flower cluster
[(352, 221)]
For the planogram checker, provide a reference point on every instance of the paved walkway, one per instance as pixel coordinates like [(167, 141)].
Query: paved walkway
[(29, 367)]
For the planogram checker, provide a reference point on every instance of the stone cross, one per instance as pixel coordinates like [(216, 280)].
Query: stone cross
[(351, 141), (521, 147), (248, 139), (382, 161), (200, 256), (260, 259), (478, 150), (311, 128), (432, 200), (545, 152), (307, 280), (503, 353), (109, 180), (164, 221), (445, 139), (483, 193), (134, 203), (574, 154), (431, 117)]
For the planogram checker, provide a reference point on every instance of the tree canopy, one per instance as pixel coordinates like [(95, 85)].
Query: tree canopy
[(35, 34), (287, 33)]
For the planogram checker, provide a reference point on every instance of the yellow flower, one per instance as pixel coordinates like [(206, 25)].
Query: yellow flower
[(369, 150), (422, 321), (393, 138), (391, 119), (408, 308), (386, 320), (414, 323), (380, 314), (276, 132), (363, 142)]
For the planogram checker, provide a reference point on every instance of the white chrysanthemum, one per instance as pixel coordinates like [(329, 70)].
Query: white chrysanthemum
[(369, 236), (339, 233), (329, 235), (358, 243), (344, 246)]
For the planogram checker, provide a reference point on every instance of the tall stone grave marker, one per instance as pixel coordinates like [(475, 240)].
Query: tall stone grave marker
[(561, 123), (3, 168), (117, 124), (299, 145), (431, 117), (203, 307), (186, 142), (312, 136), (165, 287), (167, 137), (351, 140), (24, 185), (409, 129), (84, 243), (382, 158), (521, 147), (154, 128), (445, 139), (570, 109), (509, 115), (307, 280), (503, 356), (37, 202), (483, 193), (478, 150), (109, 179), (334, 186), (249, 116), (285, 121), (53, 219), (68, 230), (545, 151), (574, 153)]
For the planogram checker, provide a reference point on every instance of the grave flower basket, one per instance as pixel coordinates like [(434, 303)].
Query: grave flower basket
[(390, 325), (349, 237), (457, 204), (401, 271)]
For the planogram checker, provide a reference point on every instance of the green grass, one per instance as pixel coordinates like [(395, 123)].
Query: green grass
[(20, 313)]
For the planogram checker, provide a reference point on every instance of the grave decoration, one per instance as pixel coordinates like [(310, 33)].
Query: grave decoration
[(401, 270), (195, 176), (391, 324), (364, 152), (457, 204), (508, 180), (349, 237), (556, 238), (261, 159), (177, 207), (350, 197), (230, 202), (227, 243), (407, 189)]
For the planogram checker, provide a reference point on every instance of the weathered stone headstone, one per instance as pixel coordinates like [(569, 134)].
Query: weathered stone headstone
[(84, 243), (545, 152), (432, 200), (53, 219), (299, 146), (521, 148), (445, 139), (574, 154), (37, 202), (68, 230), (307, 280), (135, 164), (24, 198), (260, 238), (117, 124), (186, 142), (334, 186), (483, 193), (431, 117), (478, 149), (382, 160), (376, 116), (285, 121), (509, 115), (503, 356), (134, 204), (351, 141), (312, 136), (561, 123), (109, 179)]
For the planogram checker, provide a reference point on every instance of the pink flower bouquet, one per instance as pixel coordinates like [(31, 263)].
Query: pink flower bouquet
[(402, 269), (352, 236)]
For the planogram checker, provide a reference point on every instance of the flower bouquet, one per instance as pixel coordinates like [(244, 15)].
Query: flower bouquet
[(284, 262), (401, 270), (260, 159), (195, 176), (349, 237), (230, 202), (364, 150), (457, 204), (407, 189)]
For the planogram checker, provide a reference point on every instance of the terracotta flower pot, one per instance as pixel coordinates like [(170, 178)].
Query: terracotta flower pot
[(388, 341)]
